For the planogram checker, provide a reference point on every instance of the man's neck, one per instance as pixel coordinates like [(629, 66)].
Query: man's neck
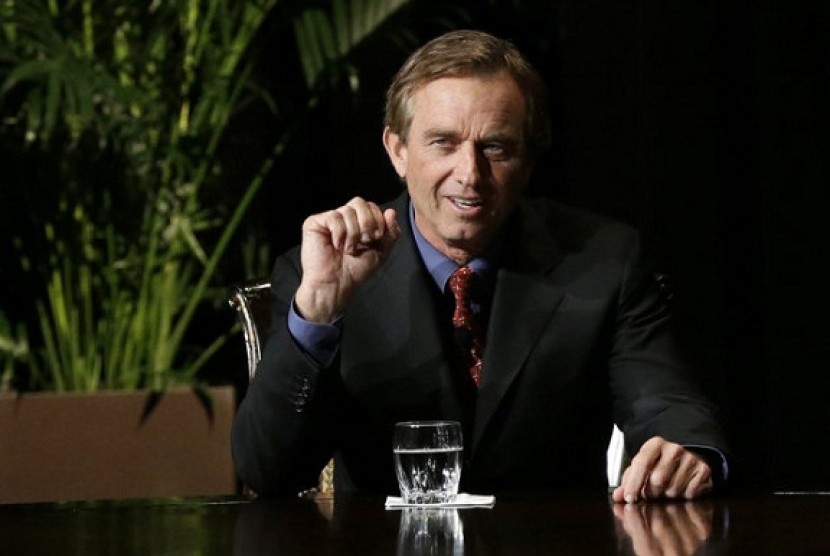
[(461, 252), (440, 266)]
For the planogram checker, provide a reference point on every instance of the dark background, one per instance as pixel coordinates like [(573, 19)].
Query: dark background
[(705, 123)]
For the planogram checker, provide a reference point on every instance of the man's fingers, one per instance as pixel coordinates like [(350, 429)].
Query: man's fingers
[(664, 474), (350, 219), (701, 482), (664, 469), (638, 473), (391, 220), (355, 226), (369, 219), (619, 493), (328, 226), (365, 224), (683, 472), (692, 478)]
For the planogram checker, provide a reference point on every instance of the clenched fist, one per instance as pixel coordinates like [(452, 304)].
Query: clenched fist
[(340, 250)]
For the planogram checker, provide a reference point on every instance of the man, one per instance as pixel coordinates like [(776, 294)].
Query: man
[(565, 333)]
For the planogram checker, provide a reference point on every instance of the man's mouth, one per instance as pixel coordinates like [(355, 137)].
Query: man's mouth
[(466, 204)]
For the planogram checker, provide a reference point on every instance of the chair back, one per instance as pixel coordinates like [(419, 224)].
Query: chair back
[(252, 302)]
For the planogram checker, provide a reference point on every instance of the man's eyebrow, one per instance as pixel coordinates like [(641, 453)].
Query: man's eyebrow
[(501, 137), (438, 132), (505, 136)]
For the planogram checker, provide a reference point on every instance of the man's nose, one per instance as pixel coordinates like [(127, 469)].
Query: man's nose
[(468, 166)]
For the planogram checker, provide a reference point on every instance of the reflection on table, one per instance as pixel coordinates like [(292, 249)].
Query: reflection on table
[(430, 531), (677, 528), (531, 523)]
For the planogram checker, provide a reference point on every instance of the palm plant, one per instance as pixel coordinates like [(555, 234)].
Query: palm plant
[(13, 346), (153, 87)]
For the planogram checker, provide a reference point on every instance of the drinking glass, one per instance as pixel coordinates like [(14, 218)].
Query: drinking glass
[(428, 460)]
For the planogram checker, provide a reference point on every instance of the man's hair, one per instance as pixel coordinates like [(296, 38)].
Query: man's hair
[(469, 54)]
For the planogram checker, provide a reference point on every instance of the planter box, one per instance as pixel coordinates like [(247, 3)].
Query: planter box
[(97, 446)]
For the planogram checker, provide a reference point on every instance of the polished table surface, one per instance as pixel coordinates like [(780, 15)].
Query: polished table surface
[(530, 523)]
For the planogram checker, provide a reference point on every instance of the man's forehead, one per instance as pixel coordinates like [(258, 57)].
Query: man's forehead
[(444, 104)]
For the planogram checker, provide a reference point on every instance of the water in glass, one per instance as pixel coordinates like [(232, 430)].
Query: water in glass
[(428, 461)]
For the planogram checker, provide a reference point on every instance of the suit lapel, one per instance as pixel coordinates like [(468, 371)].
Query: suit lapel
[(524, 302)]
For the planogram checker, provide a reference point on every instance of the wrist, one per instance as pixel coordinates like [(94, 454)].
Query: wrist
[(315, 305)]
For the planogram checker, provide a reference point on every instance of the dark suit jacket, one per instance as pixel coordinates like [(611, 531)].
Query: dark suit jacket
[(578, 338)]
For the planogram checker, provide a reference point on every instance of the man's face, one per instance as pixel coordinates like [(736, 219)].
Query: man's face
[(465, 161)]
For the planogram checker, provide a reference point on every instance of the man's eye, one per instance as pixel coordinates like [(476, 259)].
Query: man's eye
[(495, 150)]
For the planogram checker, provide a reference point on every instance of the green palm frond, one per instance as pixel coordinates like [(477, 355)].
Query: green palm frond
[(326, 41), (60, 83), (14, 347)]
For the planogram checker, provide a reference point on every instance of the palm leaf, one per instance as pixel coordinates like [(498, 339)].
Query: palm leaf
[(326, 42)]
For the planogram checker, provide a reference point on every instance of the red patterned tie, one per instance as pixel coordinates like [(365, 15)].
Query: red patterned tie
[(465, 321)]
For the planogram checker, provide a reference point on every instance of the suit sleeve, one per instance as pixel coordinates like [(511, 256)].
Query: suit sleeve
[(281, 436), (654, 390)]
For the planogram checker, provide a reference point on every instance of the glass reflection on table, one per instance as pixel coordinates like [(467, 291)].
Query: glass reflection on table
[(425, 531)]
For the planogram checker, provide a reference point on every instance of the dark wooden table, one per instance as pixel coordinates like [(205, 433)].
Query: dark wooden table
[(530, 524)]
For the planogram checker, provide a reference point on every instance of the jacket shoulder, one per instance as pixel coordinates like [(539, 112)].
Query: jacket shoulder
[(575, 230)]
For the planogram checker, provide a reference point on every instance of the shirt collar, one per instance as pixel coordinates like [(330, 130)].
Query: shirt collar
[(441, 267)]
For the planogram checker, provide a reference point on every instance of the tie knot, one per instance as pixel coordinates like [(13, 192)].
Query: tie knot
[(460, 283)]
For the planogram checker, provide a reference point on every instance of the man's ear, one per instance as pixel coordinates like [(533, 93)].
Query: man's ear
[(396, 149)]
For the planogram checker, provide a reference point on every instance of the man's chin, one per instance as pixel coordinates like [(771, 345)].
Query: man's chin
[(473, 240)]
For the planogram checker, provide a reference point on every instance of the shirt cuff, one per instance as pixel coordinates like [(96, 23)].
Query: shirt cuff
[(319, 341)]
